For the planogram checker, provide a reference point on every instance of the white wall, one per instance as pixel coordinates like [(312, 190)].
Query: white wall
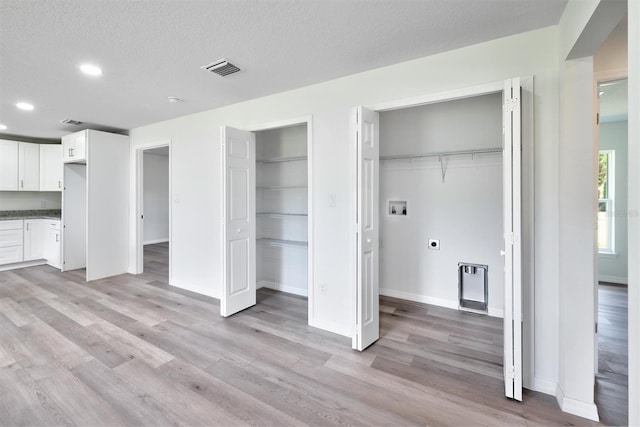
[(196, 175), (156, 198), (613, 268), (464, 212), (26, 200)]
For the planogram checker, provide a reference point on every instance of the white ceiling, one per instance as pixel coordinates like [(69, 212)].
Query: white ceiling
[(152, 49)]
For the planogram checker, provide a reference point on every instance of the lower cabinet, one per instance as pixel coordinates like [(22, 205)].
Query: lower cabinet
[(30, 240), (52, 243), (11, 238), (33, 239)]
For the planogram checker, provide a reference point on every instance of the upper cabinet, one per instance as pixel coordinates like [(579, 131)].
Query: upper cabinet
[(50, 167), (8, 165), (28, 166), (74, 147)]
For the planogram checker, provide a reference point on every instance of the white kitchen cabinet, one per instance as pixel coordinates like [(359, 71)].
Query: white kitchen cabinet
[(11, 241), (74, 147), (8, 165), (52, 242), (28, 166), (33, 239), (95, 204), (51, 167)]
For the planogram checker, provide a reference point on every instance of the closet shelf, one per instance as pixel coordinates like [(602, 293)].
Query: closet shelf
[(279, 242), (277, 214), (443, 154), (282, 187), (283, 159)]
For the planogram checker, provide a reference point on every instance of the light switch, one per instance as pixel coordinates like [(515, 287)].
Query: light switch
[(332, 200)]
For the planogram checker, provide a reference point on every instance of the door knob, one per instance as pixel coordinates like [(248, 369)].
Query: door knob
[(238, 230), (368, 240)]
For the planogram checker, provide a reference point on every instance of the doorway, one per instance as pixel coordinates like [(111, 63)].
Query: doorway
[(153, 211), (267, 215), (611, 393), (515, 227)]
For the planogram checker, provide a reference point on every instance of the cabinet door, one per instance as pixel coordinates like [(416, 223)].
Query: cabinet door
[(33, 239), (52, 247), (28, 166), (74, 147), (8, 165), (51, 167)]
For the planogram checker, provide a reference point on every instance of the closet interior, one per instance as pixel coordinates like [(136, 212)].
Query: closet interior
[(441, 204), (282, 200)]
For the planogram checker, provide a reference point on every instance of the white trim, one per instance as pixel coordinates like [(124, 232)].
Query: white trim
[(607, 255), (544, 386), (308, 120), (23, 264), (137, 158), (334, 328), (282, 288), (614, 279), (440, 302), (576, 407), (154, 241), (449, 95)]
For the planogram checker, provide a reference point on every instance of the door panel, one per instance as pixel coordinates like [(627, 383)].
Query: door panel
[(239, 220), (368, 154), (512, 202)]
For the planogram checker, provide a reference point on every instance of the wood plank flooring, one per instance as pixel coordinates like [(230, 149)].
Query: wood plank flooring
[(131, 350), (612, 380)]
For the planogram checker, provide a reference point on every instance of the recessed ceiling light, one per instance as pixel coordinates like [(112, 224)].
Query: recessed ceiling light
[(174, 100), (91, 70), (24, 106), (3, 127)]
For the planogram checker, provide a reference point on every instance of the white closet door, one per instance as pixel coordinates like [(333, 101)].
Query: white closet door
[(512, 240), (368, 155), (239, 220)]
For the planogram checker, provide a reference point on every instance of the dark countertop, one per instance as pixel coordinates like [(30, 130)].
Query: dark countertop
[(55, 214)]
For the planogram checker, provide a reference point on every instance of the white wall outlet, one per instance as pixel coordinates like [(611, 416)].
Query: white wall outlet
[(434, 244), (323, 288)]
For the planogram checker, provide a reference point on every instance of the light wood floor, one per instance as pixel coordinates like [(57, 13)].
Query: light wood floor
[(612, 381), (131, 350)]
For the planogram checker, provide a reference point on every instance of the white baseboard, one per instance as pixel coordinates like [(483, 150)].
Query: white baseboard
[(22, 264), (576, 407), (193, 288), (282, 288), (154, 241), (614, 279), (440, 302), (544, 386), (331, 327)]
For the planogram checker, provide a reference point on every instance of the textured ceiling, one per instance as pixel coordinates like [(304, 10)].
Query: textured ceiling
[(152, 49)]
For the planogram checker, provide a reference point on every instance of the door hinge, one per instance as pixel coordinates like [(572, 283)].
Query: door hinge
[(510, 104), (596, 327), (511, 372), (597, 118)]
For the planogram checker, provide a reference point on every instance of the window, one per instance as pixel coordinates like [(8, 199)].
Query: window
[(606, 214)]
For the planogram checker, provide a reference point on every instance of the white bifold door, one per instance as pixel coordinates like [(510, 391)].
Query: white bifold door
[(367, 328), (238, 220), (512, 194)]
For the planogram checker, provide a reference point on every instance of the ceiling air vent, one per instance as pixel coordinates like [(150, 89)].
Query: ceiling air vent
[(221, 67), (70, 122)]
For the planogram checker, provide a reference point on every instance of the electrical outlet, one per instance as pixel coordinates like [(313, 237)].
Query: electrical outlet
[(323, 288), (434, 244)]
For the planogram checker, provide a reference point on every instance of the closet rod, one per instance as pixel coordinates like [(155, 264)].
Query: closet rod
[(443, 154)]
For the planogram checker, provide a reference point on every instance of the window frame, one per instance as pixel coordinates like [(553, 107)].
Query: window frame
[(610, 250)]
